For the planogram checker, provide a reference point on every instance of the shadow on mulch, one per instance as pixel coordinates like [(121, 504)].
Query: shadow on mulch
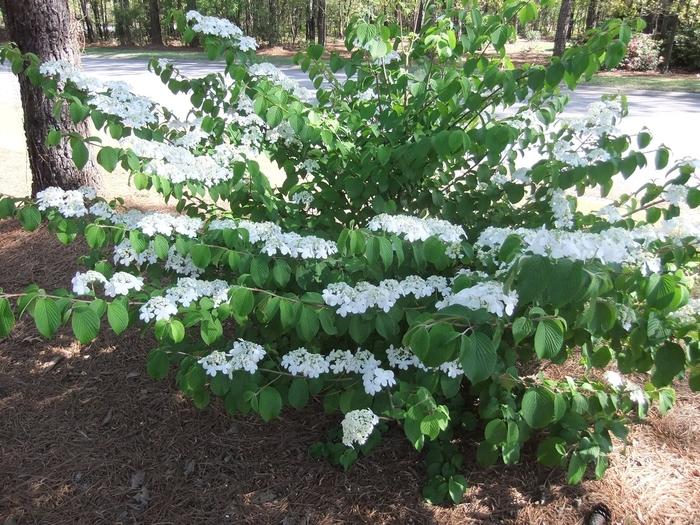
[(87, 437)]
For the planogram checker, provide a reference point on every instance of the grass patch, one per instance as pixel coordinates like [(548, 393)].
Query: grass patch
[(684, 83)]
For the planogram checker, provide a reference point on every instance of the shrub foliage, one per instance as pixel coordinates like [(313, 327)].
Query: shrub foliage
[(422, 263)]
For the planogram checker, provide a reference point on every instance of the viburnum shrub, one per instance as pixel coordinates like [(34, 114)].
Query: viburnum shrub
[(422, 264)]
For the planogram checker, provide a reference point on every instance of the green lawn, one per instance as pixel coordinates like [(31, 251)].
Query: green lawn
[(684, 83)]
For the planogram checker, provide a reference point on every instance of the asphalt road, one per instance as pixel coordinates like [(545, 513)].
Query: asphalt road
[(673, 118)]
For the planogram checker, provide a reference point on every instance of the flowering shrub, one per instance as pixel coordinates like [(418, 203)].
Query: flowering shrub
[(413, 268), (643, 53)]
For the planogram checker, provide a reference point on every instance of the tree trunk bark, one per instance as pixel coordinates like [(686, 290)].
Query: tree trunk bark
[(89, 31), (98, 19), (570, 28), (156, 33), (123, 23), (592, 14), (272, 23), (321, 21), (418, 23), (562, 26), (311, 21), (43, 27)]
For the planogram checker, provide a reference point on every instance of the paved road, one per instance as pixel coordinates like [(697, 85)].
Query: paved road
[(673, 118)]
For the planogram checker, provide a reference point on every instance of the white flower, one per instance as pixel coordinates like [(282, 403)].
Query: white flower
[(245, 355), (375, 379), (417, 229), (614, 379), (358, 426), (121, 282), (489, 296), (345, 362), (69, 203), (561, 209), (688, 314), (675, 194), (302, 362), (159, 308), (82, 280), (610, 213)]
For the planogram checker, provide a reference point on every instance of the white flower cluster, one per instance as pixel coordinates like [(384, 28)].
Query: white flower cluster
[(488, 295), (627, 316), (186, 291), (302, 362), (402, 358), (113, 98), (243, 355), (211, 25), (150, 223), (178, 164), (363, 296), (581, 149), (275, 241), (561, 209), (273, 74), (610, 213), (357, 426), (621, 384), (417, 229), (611, 246), (69, 203), (302, 197), (119, 284), (687, 315), (374, 377), (675, 194)]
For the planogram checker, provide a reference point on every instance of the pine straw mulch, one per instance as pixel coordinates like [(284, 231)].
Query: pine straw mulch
[(86, 437)]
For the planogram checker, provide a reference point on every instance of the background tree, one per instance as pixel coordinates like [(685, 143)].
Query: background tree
[(44, 27), (156, 33), (562, 28)]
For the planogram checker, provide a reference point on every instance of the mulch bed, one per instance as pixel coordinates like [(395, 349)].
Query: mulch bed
[(87, 437)]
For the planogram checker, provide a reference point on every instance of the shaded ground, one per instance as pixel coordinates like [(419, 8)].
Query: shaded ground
[(87, 438)]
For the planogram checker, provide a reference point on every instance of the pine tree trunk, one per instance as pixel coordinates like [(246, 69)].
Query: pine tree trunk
[(272, 23), (43, 27), (562, 27), (311, 21), (592, 14), (418, 23), (156, 33), (89, 31), (98, 19), (321, 21), (123, 23)]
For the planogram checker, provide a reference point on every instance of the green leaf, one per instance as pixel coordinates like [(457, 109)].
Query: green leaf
[(46, 317), (7, 318), (78, 111), (80, 153), (53, 138), (30, 218), (108, 158), (669, 361), (138, 241), (308, 324), (95, 236), (157, 364), (85, 323), (242, 301), (496, 431), (549, 338), (522, 328), (118, 316), (269, 403), (289, 313), (478, 357), (274, 116), (281, 273), (661, 159), (551, 451), (554, 74), (537, 407), (201, 255), (298, 393), (577, 468), (259, 271), (161, 246), (457, 486), (210, 331), (661, 290)]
